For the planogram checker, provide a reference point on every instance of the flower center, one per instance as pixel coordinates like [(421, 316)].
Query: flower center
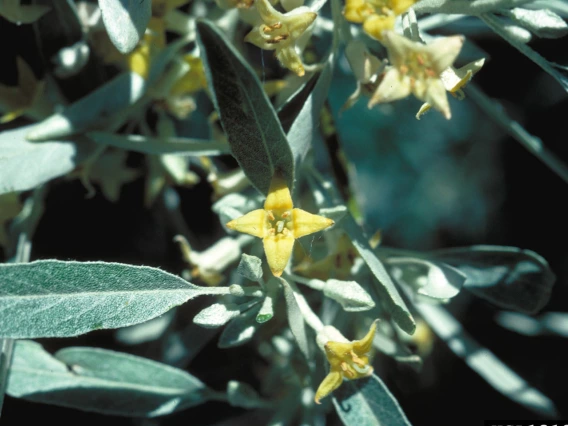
[(280, 222), (275, 33), (417, 67), (354, 367)]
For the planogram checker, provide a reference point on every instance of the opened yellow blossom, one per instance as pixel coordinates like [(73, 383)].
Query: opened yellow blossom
[(417, 68), (347, 360), (280, 32), (375, 15), (279, 224)]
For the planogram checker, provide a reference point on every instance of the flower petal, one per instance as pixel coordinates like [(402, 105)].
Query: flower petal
[(254, 223), (304, 223), (364, 345), (394, 86), (454, 79), (444, 51), (278, 197), (278, 250), (255, 38), (375, 25), (267, 13), (290, 59), (331, 382), (436, 96)]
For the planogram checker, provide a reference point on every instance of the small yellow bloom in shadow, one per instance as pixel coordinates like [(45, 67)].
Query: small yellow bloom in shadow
[(279, 224), (280, 32), (16, 100), (347, 360), (375, 15)]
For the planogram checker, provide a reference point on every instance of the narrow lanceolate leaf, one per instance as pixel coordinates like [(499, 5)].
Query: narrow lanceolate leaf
[(484, 362), (368, 402), (125, 21), (25, 165), (157, 146), (384, 285), (509, 277), (350, 295), (95, 110), (295, 317), (51, 298), (249, 120), (102, 381), (543, 23), (302, 113)]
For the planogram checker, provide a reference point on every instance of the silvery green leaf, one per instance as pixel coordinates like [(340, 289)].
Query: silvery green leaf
[(216, 315), (51, 298), (102, 381), (434, 280), (267, 308), (368, 402), (243, 395), (126, 21), (335, 213), (543, 23), (250, 267), (351, 296), (301, 114), (25, 165), (295, 317), (548, 323), (484, 362), (249, 120), (509, 277), (94, 110), (146, 332), (159, 146), (383, 283), (240, 330)]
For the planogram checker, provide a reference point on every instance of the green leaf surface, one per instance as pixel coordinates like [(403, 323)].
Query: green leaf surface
[(368, 402), (249, 120), (157, 146), (484, 362), (125, 21), (102, 381), (383, 284), (509, 277), (25, 165), (95, 110), (241, 329), (51, 298)]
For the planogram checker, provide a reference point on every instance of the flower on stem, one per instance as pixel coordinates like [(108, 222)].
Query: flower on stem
[(417, 68), (347, 359), (16, 100), (280, 32), (375, 15), (279, 224)]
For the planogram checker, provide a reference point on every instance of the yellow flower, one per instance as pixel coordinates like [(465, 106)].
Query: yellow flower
[(375, 15), (280, 32), (454, 79), (279, 225), (347, 360), (416, 68)]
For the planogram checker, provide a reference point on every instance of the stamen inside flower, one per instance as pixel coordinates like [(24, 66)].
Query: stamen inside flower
[(274, 33)]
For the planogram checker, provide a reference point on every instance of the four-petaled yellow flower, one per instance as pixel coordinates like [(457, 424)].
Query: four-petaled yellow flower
[(280, 32), (375, 15), (416, 68), (347, 360), (279, 224)]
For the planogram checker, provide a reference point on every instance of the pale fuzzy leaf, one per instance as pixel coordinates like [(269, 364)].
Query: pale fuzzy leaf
[(216, 315), (301, 114), (250, 267), (51, 298), (351, 296), (240, 330), (94, 110), (159, 146), (543, 23), (243, 395), (484, 362), (102, 381), (295, 318), (249, 120), (384, 285), (148, 331), (434, 280), (368, 402), (509, 277), (25, 165), (126, 21)]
